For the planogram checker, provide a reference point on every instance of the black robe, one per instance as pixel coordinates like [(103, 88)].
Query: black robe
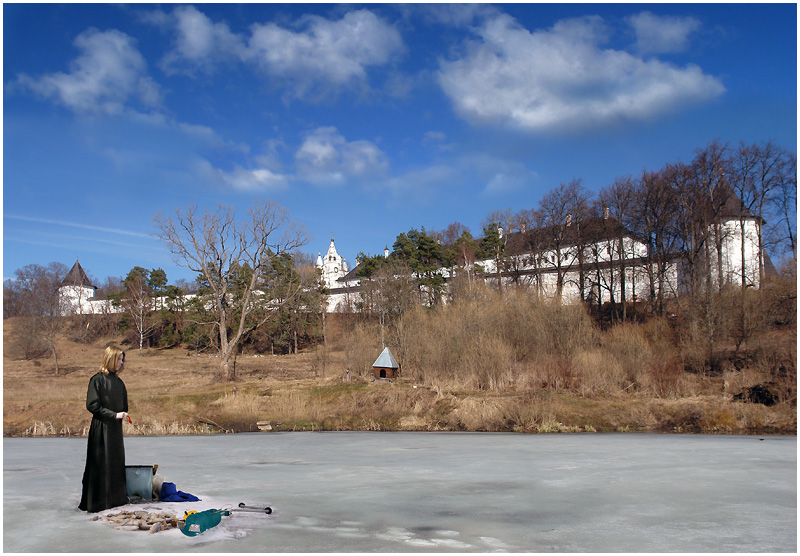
[(104, 477)]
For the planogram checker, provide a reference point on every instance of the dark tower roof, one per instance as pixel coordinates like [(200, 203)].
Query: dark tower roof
[(77, 277)]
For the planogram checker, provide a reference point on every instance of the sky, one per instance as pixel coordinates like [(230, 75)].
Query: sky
[(362, 120)]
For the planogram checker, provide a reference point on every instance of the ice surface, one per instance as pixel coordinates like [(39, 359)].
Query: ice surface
[(426, 492)]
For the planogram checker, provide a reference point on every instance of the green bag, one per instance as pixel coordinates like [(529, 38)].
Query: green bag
[(198, 522)]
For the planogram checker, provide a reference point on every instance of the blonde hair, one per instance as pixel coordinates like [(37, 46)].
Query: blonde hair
[(110, 358)]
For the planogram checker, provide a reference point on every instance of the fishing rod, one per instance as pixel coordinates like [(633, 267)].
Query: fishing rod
[(243, 506)]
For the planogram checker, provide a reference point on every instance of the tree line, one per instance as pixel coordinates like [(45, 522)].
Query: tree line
[(677, 212), (256, 290)]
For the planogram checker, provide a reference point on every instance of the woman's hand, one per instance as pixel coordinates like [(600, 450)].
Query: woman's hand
[(122, 415)]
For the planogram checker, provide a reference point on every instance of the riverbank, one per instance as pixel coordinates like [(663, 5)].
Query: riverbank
[(175, 391)]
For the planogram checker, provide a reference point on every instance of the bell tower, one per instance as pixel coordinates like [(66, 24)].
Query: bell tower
[(332, 265)]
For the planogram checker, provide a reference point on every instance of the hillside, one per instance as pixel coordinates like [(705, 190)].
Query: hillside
[(173, 391)]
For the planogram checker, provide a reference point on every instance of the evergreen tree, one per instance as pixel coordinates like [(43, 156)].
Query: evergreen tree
[(426, 259)]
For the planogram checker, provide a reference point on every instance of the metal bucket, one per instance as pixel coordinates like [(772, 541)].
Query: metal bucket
[(139, 481)]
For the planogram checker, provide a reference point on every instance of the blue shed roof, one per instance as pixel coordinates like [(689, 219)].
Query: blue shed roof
[(386, 359)]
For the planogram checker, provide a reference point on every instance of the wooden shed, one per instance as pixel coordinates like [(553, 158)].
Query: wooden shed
[(385, 366)]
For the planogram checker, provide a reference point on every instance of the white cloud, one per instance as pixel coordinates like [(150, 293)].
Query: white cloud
[(316, 56), (244, 179), (199, 42), (327, 52), (326, 157), (109, 73), (660, 34), (562, 78)]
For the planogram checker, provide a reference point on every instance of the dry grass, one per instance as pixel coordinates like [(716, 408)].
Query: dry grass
[(496, 367)]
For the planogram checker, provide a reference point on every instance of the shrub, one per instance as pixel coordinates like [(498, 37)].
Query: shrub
[(481, 342), (628, 345), (598, 374), (664, 376)]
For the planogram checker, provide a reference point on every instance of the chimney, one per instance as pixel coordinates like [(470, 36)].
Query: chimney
[(500, 231), (569, 220), (605, 212)]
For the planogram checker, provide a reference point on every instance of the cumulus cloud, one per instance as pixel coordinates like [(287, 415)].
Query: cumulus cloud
[(109, 73), (563, 78), (199, 42), (332, 52), (315, 55), (326, 157), (662, 34)]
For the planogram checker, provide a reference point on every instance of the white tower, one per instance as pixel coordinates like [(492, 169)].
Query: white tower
[(333, 266), (75, 292)]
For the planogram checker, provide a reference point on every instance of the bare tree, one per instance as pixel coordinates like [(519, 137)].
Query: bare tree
[(498, 217), (784, 201), (692, 222), (42, 302), (452, 232), (710, 166), (618, 199), (775, 172), (13, 301), (234, 258), (578, 207), (139, 303), (656, 208), (555, 209), (537, 242), (389, 293)]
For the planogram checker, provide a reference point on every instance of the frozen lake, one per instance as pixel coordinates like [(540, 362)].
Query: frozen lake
[(427, 492)]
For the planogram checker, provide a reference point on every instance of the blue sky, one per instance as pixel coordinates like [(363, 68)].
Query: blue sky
[(362, 120)]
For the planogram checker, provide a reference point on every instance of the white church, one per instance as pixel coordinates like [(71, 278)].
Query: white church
[(332, 266)]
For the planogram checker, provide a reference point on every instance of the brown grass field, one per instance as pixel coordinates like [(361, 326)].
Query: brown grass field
[(172, 391)]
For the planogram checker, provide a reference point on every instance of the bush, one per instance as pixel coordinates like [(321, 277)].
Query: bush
[(598, 374), (664, 376), (26, 341), (628, 345), (488, 342)]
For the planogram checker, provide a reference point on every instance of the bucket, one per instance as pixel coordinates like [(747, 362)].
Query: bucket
[(139, 480)]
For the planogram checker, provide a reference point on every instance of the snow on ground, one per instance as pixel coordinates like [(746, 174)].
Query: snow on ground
[(236, 526)]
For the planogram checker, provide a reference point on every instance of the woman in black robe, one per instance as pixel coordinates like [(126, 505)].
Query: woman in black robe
[(107, 399)]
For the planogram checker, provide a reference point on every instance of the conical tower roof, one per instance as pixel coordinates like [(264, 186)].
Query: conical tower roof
[(386, 360), (332, 250), (77, 277)]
